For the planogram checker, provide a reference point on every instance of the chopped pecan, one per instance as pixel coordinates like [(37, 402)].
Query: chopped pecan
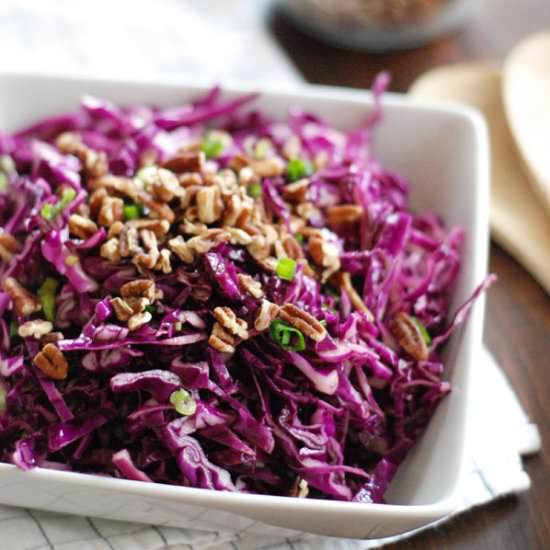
[(158, 227), (303, 321), (139, 305), (111, 211), (191, 161), (239, 160), (161, 183), (52, 362), (109, 250), (140, 288), (279, 249), (267, 168), (96, 200), (343, 213), (238, 236), (35, 329), (8, 246), (160, 209), (81, 227), (320, 160), (163, 263), (115, 230), (269, 263), (292, 247), (226, 180), (221, 340), (230, 322), (258, 248), (128, 241), (268, 312), (191, 214), (138, 320), (250, 285), (24, 302), (122, 309), (307, 210), (190, 228), (233, 209), (296, 192), (150, 256), (209, 204), (179, 247), (95, 163), (408, 334), (117, 185), (344, 281), (324, 253), (190, 179), (247, 176), (202, 243), (51, 338)]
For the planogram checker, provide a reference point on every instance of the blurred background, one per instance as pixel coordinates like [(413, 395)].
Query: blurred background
[(345, 43)]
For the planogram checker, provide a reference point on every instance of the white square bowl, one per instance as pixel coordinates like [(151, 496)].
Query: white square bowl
[(443, 151)]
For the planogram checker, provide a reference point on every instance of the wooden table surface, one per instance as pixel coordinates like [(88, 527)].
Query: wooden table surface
[(518, 310)]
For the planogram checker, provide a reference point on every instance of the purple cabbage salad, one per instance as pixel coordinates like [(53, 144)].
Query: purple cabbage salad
[(208, 297)]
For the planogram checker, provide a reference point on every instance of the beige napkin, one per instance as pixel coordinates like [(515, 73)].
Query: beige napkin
[(519, 223)]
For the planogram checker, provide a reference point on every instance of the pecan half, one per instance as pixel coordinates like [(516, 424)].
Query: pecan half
[(343, 213), (250, 285), (81, 227), (191, 161), (140, 288), (24, 302), (230, 322), (268, 312), (52, 362), (408, 334), (303, 321), (35, 329)]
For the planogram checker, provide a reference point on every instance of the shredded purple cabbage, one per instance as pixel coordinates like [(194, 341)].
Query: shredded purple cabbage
[(167, 392)]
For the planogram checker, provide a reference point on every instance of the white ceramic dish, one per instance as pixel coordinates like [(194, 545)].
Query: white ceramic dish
[(443, 151)]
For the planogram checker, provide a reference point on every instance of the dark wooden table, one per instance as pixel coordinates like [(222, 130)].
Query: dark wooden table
[(518, 312)]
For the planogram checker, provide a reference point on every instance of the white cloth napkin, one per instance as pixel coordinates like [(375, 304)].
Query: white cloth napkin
[(214, 40)]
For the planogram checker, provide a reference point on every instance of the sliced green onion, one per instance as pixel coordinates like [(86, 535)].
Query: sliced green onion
[(262, 148), (14, 328), (254, 190), (49, 211), (3, 181), (297, 169), (286, 268), (183, 402), (68, 195), (423, 331), (299, 238), (150, 309), (46, 294), (132, 211), (287, 336), (212, 148)]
